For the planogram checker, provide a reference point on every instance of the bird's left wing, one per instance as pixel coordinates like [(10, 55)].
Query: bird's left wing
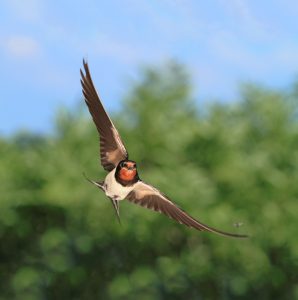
[(112, 149), (149, 197)]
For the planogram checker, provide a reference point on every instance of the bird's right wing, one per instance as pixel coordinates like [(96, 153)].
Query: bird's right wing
[(149, 197), (112, 149)]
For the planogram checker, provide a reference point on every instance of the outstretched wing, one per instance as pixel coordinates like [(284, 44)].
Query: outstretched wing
[(112, 149), (149, 197)]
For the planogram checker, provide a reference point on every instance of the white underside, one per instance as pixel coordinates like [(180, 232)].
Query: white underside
[(115, 190)]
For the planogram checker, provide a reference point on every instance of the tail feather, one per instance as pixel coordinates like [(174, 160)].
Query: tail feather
[(115, 203), (116, 206), (97, 183)]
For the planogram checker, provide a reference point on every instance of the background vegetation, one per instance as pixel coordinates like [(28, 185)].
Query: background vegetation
[(225, 164)]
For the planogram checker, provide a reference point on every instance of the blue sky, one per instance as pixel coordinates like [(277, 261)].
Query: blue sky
[(222, 42)]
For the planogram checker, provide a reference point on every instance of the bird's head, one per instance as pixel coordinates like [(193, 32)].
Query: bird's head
[(127, 170)]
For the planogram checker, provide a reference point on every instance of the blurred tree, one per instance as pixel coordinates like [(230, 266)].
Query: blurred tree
[(59, 238)]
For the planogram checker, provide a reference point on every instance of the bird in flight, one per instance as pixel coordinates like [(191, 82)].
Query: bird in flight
[(122, 181)]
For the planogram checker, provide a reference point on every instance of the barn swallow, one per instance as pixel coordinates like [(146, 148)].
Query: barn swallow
[(122, 181)]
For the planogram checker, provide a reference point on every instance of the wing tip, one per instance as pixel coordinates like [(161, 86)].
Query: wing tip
[(85, 65), (86, 69), (233, 235), (240, 236)]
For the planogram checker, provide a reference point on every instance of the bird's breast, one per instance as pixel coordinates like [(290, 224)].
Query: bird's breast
[(115, 190)]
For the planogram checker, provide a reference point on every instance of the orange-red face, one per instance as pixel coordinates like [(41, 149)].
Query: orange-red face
[(128, 170)]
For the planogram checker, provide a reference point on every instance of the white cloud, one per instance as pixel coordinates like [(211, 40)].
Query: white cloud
[(241, 12), (109, 48), (166, 19), (123, 51), (29, 10), (21, 46)]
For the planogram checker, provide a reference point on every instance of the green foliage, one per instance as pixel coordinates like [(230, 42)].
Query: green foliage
[(59, 238)]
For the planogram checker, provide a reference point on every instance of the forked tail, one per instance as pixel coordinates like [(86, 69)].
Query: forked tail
[(97, 183), (115, 203)]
